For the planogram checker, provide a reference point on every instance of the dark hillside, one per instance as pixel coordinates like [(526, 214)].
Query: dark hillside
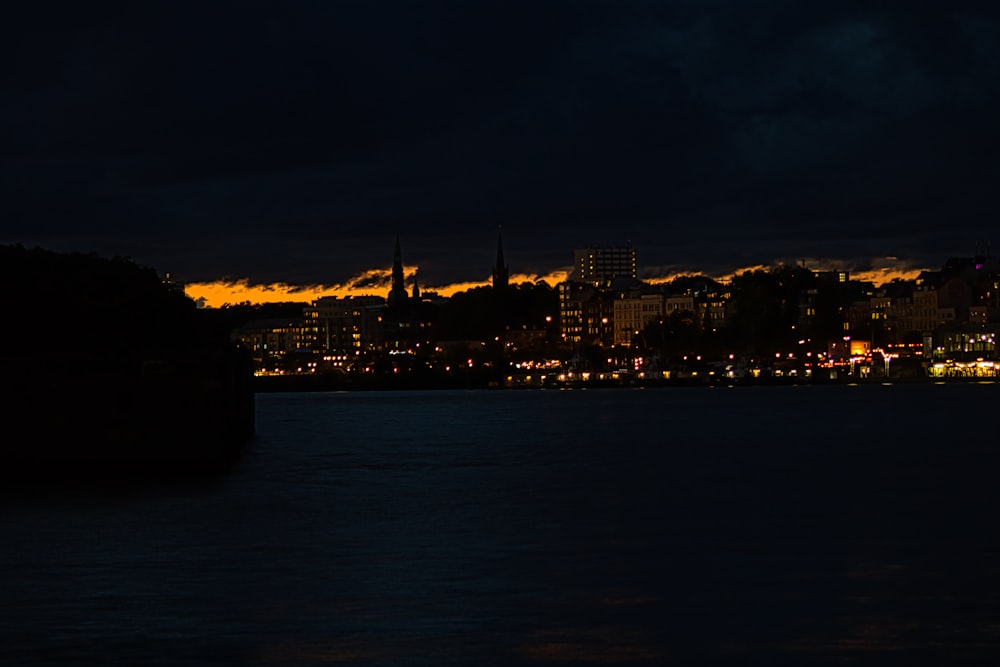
[(109, 370)]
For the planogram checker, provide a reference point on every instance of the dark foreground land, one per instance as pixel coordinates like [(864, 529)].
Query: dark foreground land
[(109, 371)]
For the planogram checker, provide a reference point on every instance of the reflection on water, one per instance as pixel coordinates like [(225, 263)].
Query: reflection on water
[(779, 525)]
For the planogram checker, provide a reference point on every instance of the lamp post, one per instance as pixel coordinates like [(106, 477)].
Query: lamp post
[(888, 358)]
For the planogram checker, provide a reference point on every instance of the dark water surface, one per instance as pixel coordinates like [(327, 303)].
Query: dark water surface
[(763, 526)]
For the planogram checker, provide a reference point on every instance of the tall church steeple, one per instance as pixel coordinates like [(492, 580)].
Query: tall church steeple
[(397, 294), (500, 273)]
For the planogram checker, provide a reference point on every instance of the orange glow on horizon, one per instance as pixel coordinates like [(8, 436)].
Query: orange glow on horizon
[(886, 275), (374, 282), (881, 272)]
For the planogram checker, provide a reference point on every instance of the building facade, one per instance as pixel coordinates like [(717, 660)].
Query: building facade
[(350, 325), (595, 265)]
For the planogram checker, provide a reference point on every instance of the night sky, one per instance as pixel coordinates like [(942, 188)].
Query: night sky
[(291, 141)]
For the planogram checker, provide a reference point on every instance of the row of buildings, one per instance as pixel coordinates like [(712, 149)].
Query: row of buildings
[(949, 318)]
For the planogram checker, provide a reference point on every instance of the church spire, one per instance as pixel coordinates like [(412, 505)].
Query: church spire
[(500, 272), (397, 294)]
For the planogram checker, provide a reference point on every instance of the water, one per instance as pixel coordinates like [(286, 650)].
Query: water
[(763, 526)]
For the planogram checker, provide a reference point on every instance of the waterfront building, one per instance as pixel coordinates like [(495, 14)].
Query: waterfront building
[(967, 343), (711, 309), (272, 338), (586, 314), (350, 325), (983, 314), (831, 278), (572, 296), (925, 309), (598, 264), (675, 303), (633, 309), (962, 350)]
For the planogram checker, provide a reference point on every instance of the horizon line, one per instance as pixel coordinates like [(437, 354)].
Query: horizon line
[(228, 292)]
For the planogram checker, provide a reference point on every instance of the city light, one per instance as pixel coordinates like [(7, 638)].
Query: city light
[(644, 330)]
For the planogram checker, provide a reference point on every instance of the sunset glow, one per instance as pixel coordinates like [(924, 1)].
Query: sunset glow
[(377, 282), (372, 282)]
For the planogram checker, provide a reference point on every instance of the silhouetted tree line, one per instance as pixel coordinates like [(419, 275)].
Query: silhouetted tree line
[(483, 313), (72, 307)]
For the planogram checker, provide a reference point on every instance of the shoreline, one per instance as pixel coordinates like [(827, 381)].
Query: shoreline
[(307, 383)]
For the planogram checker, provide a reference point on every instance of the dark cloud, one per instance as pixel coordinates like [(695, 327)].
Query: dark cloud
[(292, 141)]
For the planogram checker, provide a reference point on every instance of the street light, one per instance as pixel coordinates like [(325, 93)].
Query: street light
[(888, 357)]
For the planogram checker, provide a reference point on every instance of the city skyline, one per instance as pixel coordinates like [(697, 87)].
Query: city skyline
[(377, 281), (285, 145)]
